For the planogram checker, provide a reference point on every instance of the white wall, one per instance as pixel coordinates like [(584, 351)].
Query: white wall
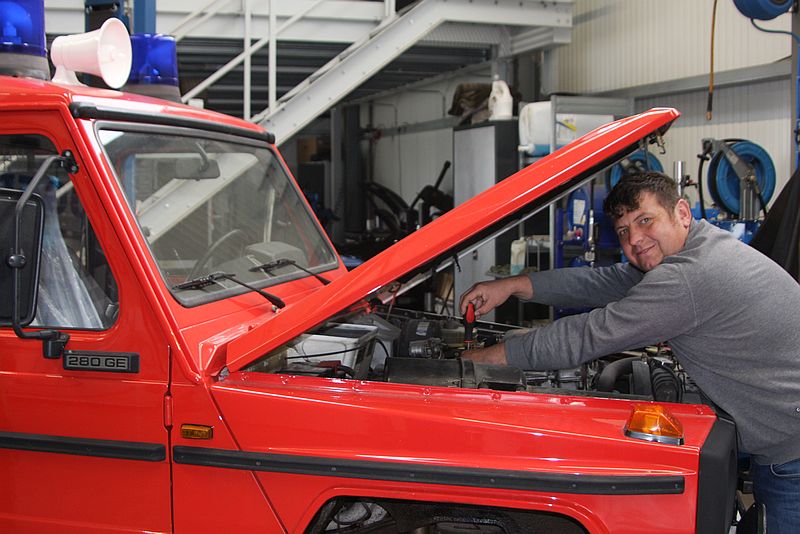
[(625, 43), (619, 44), (757, 112), (408, 162)]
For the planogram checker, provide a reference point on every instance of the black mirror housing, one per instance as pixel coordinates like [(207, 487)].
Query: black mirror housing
[(26, 258)]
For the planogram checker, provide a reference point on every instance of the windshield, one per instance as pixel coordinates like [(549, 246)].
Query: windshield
[(210, 203)]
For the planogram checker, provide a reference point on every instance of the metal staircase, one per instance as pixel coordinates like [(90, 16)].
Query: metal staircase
[(373, 34), (364, 58)]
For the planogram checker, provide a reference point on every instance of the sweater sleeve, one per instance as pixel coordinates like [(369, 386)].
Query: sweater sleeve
[(657, 309), (580, 287)]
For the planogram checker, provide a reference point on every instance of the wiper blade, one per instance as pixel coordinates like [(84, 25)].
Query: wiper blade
[(283, 262), (196, 283), (214, 278)]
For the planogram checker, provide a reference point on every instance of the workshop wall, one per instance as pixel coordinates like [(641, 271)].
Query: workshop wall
[(408, 162), (757, 112), (619, 43)]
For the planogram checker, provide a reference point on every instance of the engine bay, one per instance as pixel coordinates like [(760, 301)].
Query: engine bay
[(412, 347)]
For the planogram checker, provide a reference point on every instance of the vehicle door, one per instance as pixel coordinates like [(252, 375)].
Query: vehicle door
[(83, 443)]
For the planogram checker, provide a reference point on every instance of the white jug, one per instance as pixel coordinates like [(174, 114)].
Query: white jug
[(500, 101)]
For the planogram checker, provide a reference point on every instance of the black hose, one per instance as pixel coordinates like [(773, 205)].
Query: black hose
[(666, 385), (760, 198), (703, 158), (611, 372)]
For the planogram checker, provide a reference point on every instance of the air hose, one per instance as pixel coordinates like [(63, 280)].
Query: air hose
[(703, 158)]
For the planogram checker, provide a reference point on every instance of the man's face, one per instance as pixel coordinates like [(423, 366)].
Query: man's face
[(650, 233)]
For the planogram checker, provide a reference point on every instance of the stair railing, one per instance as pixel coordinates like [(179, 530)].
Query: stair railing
[(193, 20)]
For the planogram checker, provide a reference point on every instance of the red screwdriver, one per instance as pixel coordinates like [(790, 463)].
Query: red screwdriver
[(469, 324)]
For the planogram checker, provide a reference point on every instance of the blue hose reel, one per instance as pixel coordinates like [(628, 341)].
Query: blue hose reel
[(639, 161), (762, 9), (724, 184)]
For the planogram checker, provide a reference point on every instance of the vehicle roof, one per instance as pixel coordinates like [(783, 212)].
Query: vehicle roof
[(17, 92)]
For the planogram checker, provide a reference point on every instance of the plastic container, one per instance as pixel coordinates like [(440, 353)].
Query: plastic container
[(351, 344), (500, 101), (518, 249), (536, 127), (387, 333)]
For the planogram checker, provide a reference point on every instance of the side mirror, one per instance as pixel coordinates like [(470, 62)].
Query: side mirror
[(23, 255), (21, 225)]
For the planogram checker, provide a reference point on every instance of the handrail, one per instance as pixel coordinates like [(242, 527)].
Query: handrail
[(328, 66), (247, 82), (206, 14), (213, 7), (230, 65), (190, 16)]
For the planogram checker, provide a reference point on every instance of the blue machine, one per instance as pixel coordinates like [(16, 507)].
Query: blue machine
[(639, 161), (584, 235), (763, 9), (726, 174), (741, 180)]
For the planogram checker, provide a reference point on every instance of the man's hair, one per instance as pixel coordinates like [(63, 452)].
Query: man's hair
[(624, 197)]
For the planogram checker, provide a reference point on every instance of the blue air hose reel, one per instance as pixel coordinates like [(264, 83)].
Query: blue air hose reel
[(723, 183), (636, 162), (763, 9)]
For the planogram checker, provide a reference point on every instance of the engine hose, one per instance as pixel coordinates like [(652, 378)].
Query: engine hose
[(611, 372), (666, 385)]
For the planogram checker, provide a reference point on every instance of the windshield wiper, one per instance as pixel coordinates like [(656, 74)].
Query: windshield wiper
[(283, 262), (214, 278)]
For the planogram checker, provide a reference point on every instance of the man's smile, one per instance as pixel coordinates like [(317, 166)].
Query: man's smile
[(643, 252)]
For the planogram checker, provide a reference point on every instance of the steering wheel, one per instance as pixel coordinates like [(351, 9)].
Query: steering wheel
[(215, 247)]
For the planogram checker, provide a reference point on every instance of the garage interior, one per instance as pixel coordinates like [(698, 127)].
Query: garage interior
[(384, 111), (391, 113)]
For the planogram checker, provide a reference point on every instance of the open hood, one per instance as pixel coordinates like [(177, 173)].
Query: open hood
[(499, 207)]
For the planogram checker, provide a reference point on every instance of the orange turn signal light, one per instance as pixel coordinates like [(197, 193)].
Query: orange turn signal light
[(197, 432), (653, 422)]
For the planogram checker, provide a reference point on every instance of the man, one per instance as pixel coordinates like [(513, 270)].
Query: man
[(730, 314)]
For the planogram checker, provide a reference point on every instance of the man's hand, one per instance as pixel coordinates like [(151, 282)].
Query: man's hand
[(486, 296), (496, 355)]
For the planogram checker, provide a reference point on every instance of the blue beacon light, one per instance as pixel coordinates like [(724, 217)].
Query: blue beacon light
[(154, 69), (22, 39)]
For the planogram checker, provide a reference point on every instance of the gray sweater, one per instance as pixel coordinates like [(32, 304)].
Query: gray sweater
[(730, 314)]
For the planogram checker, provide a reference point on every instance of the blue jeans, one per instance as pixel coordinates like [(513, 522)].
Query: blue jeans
[(777, 487)]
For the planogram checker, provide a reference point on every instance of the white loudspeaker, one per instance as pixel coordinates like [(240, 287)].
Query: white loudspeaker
[(105, 52)]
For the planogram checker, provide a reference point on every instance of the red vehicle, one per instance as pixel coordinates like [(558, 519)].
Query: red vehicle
[(181, 349)]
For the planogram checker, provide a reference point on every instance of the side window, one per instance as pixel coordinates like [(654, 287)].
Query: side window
[(76, 287)]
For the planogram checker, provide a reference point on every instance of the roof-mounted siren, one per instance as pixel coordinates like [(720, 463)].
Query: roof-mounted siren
[(105, 52), (22, 40), (154, 71)]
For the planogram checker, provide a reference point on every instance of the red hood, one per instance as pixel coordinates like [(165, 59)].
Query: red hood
[(524, 191)]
